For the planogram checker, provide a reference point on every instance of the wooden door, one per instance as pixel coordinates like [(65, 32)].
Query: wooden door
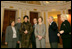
[(69, 11), (8, 15), (32, 16), (59, 25), (69, 16)]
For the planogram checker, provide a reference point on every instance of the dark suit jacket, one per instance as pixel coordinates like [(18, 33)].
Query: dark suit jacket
[(18, 25), (67, 29), (33, 35), (9, 34), (53, 30)]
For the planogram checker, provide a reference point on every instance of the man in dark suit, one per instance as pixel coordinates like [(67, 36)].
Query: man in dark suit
[(33, 35), (53, 30), (18, 25)]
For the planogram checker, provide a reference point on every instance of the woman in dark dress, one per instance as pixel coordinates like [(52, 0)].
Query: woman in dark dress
[(65, 32)]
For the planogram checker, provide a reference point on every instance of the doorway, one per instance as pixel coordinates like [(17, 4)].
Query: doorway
[(32, 16), (8, 15), (59, 25)]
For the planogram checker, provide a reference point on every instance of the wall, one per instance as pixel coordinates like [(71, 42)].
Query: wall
[(54, 14), (24, 9)]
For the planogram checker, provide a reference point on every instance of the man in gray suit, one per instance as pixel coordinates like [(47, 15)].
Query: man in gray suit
[(12, 35), (18, 25)]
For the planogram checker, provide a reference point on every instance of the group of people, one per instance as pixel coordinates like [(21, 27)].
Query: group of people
[(24, 34)]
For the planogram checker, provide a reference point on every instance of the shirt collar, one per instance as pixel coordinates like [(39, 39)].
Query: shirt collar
[(51, 22), (36, 24)]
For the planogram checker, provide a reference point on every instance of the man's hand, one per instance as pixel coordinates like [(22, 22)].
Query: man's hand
[(18, 41), (6, 43)]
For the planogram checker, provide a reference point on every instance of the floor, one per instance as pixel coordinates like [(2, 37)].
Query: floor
[(47, 46)]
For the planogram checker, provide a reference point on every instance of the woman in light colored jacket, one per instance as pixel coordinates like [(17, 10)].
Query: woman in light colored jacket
[(40, 33)]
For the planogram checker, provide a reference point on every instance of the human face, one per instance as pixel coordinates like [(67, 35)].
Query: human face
[(19, 21), (50, 19), (35, 21), (62, 19), (26, 19), (39, 20), (13, 23)]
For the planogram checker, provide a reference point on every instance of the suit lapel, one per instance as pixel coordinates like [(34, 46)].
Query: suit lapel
[(16, 30), (11, 30)]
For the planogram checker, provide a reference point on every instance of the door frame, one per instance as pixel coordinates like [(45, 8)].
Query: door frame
[(34, 11), (12, 10)]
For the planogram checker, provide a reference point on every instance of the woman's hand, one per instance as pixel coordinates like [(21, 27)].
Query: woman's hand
[(40, 37), (6, 43), (70, 33), (26, 32), (61, 32)]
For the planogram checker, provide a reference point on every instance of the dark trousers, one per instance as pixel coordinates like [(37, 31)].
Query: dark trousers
[(66, 43), (54, 45), (12, 44), (33, 41), (17, 45), (33, 44)]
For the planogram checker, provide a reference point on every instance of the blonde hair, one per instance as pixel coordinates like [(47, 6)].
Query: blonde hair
[(64, 16)]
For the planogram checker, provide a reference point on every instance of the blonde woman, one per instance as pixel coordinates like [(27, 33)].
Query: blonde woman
[(65, 32), (40, 34)]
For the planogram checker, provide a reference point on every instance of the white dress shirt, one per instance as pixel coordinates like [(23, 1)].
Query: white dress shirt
[(51, 22), (14, 32), (35, 24)]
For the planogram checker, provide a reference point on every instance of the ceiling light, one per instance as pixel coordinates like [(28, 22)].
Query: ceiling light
[(67, 15), (58, 1), (47, 2)]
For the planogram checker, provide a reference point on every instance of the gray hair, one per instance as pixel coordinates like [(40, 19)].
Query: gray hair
[(52, 17), (18, 18)]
